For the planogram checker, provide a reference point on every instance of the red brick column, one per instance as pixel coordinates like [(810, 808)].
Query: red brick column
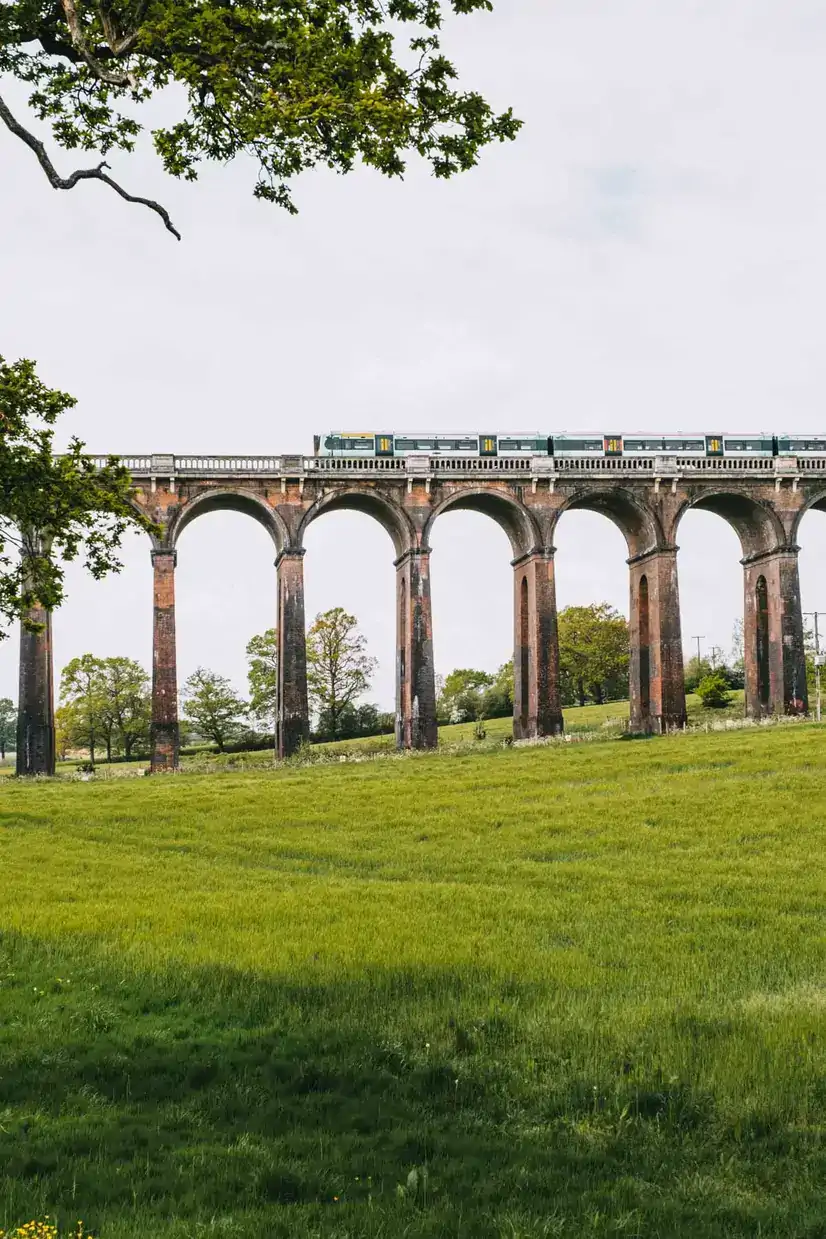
[(292, 722), (655, 672), (773, 650), (35, 702), (415, 675), (536, 707), (164, 731)]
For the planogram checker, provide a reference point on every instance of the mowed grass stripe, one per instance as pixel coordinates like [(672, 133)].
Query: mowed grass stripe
[(584, 988)]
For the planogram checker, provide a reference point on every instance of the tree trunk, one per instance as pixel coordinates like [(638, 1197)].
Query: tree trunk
[(599, 694), (2, 750), (108, 750), (92, 752), (580, 691)]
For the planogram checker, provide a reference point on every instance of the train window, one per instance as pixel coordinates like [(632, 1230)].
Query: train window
[(415, 445), (523, 445), (643, 445), (613, 445), (684, 445), (356, 443), (577, 445), (749, 445), (456, 445), (332, 443), (801, 445)]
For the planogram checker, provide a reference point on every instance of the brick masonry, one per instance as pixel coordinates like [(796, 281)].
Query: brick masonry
[(292, 725), (765, 511), (164, 731), (35, 717)]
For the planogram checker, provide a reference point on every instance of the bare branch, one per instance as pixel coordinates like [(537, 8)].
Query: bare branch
[(83, 174), (79, 42), (120, 43)]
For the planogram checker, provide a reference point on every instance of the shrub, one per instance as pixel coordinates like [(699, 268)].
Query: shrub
[(713, 691)]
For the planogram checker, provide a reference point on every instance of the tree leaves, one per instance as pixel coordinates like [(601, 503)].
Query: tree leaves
[(52, 508), (295, 84), (339, 668)]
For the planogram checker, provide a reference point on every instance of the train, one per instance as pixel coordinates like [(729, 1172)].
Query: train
[(535, 443)]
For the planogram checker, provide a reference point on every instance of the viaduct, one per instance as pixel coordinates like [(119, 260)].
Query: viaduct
[(763, 499)]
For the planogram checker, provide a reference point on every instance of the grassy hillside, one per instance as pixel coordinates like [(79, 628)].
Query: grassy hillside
[(574, 991)]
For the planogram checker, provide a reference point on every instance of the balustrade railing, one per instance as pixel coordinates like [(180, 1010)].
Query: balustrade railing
[(227, 464), (423, 465), (604, 464), (355, 464)]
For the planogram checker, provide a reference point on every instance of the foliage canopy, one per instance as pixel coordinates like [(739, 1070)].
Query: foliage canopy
[(213, 707), (593, 653), (52, 508), (339, 669), (292, 83), (262, 677)]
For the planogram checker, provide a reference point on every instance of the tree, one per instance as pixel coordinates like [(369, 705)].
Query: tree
[(713, 691), (262, 675), (696, 669), (593, 653), (339, 668), (52, 508), (63, 720), (354, 720), (128, 707), (461, 697), (293, 83), (497, 701), (8, 722), (83, 697), (213, 707)]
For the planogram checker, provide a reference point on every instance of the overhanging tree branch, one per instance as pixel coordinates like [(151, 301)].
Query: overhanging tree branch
[(123, 78), (82, 174)]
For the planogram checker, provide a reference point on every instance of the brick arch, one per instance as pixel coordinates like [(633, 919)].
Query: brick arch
[(815, 503), (223, 499), (390, 515), (638, 524), (755, 522), (509, 513)]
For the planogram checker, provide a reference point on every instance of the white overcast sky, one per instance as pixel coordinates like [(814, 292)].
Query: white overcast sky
[(649, 254)]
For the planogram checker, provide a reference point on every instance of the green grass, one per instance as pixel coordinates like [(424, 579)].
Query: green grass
[(577, 990)]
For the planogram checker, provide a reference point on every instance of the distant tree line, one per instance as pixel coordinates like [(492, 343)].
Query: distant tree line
[(593, 667), (106, 704)]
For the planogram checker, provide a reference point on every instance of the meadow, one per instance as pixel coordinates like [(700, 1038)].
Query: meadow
[(576, 991)]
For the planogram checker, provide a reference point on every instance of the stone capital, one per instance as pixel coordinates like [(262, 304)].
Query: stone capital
[(290, 552), (778, 552), (536, 552), (164, 552), (653, 553), (414, 552)]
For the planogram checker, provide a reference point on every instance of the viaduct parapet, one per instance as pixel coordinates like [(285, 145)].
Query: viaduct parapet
[(763, 499)]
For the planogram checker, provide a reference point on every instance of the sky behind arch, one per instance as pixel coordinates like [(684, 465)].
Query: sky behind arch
[(647, 255)]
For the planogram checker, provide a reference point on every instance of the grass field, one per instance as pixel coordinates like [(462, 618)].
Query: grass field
[(575, 991)]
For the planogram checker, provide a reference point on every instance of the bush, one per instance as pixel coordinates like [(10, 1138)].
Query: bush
[(713, 691)]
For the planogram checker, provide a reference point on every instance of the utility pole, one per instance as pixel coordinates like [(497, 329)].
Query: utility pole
[(716, 652), (819, 658), (698, 640)]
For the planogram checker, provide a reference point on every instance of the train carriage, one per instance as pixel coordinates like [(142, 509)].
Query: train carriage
[(578, 444)]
